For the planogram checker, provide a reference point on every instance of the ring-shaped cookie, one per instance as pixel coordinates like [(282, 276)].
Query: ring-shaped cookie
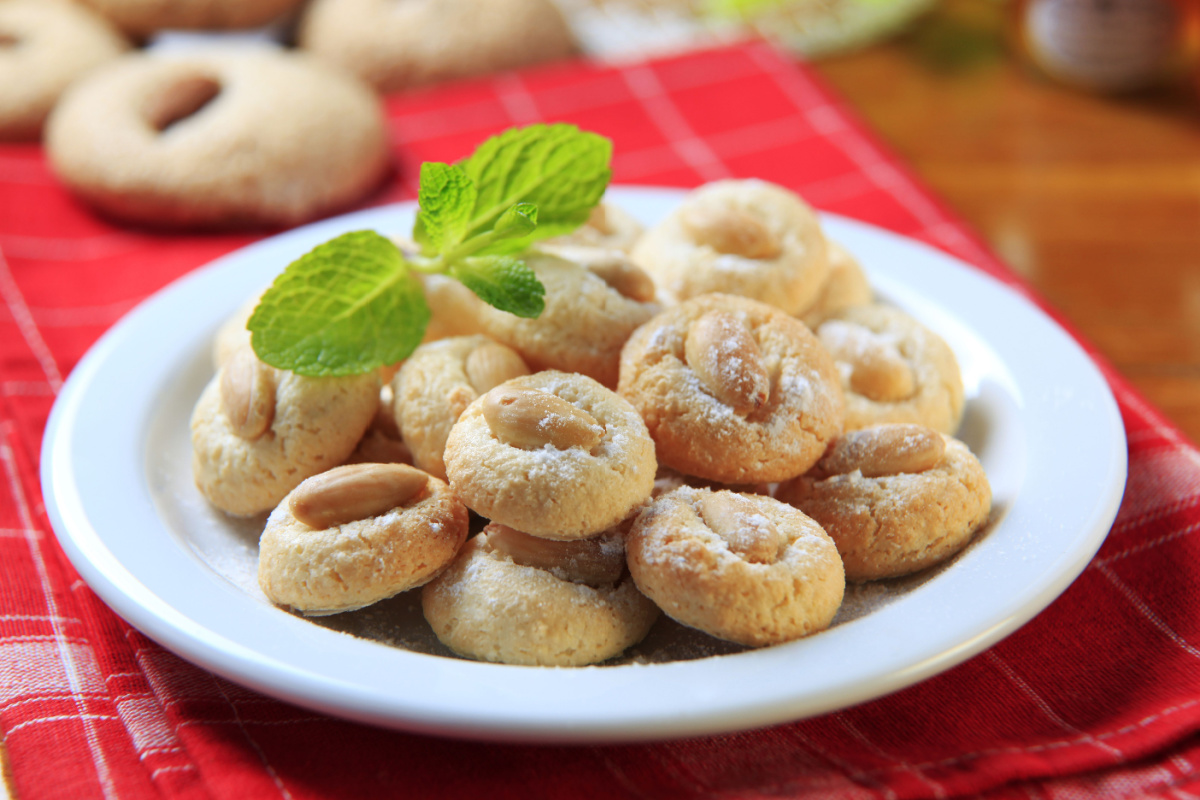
[(846, 286), (743, 237), (683, 553), (223, 139), (487, 607), (892, 525), (539, 488), (45, 45), (695, 430), (893, 368), (344, 567)]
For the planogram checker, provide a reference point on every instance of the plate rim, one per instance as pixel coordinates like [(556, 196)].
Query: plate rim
[(126, 593)]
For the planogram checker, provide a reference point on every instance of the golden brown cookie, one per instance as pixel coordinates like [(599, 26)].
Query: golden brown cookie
[(552, 454), (257, 432), (46, 45), (436, 384), (356, 535), (516, 599), (742, 237), (741, 567), (732, 390), (223, 139), (893, 368), (140, 18), (395, 45), (846, 286), (895, 498)]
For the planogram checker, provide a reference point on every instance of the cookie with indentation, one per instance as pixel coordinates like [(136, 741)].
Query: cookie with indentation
[(436, 384), (552, 454), (257, 431), (893, 368), (732, 390), (518, 599), (846, 286), (742, 567), (742, 237), (218, 139), (396, 46), (45, 46), (895, 498), (356, 535)]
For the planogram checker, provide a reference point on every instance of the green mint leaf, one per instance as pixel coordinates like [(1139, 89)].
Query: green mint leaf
[(503, 282), (447, 198), (347, 307), (558, 168), (519, 220)]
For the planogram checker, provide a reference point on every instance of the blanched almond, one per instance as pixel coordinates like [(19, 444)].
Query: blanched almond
[(878, 370), (491, 364), (725, 357), (183, 98), (884, 450), (625, 277), (598, 219), (596, 561), (354, 491), (530, 419), (730, 230), (248, 394), (744, 528)]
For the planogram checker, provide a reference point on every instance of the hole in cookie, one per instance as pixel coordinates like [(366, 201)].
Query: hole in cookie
[(9, 39), (180, 100)]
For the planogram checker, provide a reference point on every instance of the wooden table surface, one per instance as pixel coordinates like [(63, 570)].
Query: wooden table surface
[(1095, 200)]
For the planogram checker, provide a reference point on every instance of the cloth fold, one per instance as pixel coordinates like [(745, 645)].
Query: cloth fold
[(1098, 696)]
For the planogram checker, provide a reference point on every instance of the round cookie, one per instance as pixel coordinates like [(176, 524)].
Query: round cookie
[(394, 46), (223, 139), (742, 567), (846, 286), (491, 606), (45, 45), (893, 368), (593, 303), (257, 432), (895, 498), (743, 237), (732, 390), (356, 535), (552, 454), (140, 18), (436, 384)]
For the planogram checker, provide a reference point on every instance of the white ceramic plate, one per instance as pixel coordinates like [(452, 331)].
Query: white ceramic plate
[(115, 472)]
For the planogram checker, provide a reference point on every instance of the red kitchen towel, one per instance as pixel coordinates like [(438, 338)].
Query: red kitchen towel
[(1098, 696)]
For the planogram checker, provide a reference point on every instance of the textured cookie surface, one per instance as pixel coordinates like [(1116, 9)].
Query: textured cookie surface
[(741, 567), (695, 430), (846, 286), (557, 492), (485, 606), (220, 139)]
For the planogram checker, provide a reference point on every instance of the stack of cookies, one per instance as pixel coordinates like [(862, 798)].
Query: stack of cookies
[(712, 419)]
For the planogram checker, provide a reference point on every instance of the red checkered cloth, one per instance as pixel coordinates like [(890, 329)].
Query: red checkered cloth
[(1098, 696)]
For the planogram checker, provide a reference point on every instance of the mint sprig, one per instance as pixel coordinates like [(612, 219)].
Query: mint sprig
[(353, 304)]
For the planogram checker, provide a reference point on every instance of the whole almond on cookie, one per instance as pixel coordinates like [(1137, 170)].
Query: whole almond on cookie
[(531, 418), (724, 355), (354, 491), (248, 394)]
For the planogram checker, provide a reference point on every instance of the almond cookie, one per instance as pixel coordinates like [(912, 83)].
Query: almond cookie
[(593, 302), (846, 286), (356, 535), (608, 227), (223, 139), (732, 390), (436, 384), (257, 432), (895, 498), (552, 454), (744, 237), (395, 45), (893, 368), (516, 599), (140, 18), (741, 567), (45, 45)]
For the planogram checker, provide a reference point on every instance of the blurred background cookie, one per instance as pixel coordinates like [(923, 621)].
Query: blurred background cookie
[(141, 18), (398, 45), (45, 45), (220, 139)]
